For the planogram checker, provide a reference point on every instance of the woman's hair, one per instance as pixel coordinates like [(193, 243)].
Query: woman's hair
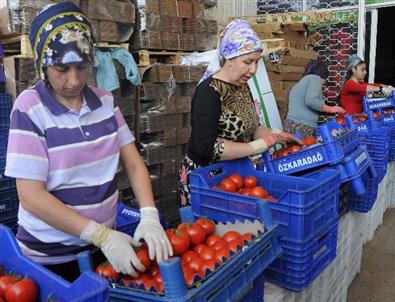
[(317, 67), (353, 61)]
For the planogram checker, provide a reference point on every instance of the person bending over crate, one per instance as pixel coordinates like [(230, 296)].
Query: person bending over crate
[(224, 120), (355, 88), (64, 146)]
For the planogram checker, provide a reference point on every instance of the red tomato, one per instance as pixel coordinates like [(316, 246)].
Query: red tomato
[(195, 264), (222, 255), (245, 191), (24, 290), (188, 256), (228, 185), (308, 141), (247, 237), (207, 253), (107, 271), (231, 235), (212, 239), (195, 232), (6, 282), (179, 241), (144, 258), (216, 188), (154, 269), (220, 244), (258, 192), (250, 181), (295, 148), (141, 279), (207, 267), (237, 179), (158, 277), (127, 280), (1, 299), (207, 224), (190, 275), (199, 248), (151, 285), (235, 245)]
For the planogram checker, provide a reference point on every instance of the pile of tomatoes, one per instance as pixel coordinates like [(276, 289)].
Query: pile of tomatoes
[(308, 141), (200, 249), (14, 288), (359, 118), (247, 186), (388, 111)]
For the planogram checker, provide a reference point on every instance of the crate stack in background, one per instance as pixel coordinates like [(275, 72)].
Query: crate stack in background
[(293, 49)]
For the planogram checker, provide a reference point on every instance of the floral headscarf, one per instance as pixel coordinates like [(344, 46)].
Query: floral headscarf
[(352, 61), (237, 39), (60, 33)]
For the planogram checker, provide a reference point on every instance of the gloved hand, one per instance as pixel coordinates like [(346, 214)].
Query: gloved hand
[(332, 109), (116, 246), (387, 91), (152, 231)]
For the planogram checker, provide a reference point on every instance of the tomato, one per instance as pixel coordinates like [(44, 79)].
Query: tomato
[(221, 255), (247, 237), (141, 279), (231, 235), (6, 281), (195, 263), (207, 267), (2, 272), (1, 299), (212, 239), (195, 232), (295, 148), (258, 192), (107, 271), (190, 276), (220, 244), (144, 258), (158, 277), (24, 290), (154, 269), (216, 188), (199, 248), (308, 141), (228, 185), (237, 179), (151, 285), (207, 224), (127, 280), (245, 191), (207, 253), (250, 181), (235, 245), (179, 241), (188, 256)]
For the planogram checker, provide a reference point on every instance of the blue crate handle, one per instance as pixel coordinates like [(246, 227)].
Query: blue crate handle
[(325, 129)]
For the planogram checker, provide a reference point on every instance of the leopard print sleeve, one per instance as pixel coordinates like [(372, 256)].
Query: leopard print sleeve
[(218, 149)]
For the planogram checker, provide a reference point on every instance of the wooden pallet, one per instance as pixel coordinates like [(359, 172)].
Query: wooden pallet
[(17, 45), (148, 57), (112, 45)]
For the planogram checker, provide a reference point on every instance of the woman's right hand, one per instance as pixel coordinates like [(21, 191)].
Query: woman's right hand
[(270, 139), (333, 109)]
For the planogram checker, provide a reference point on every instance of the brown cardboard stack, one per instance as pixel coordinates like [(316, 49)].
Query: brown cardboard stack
[(295, 51), (174, 25)]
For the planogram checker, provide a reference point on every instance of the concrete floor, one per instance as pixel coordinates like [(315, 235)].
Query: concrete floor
[(376, 280)]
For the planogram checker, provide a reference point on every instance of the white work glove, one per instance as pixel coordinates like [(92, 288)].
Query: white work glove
[(332, 109), (387, 90), (116, 246), (154, 235)]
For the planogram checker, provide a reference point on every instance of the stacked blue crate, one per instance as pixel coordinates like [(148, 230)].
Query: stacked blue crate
[(8, 196)]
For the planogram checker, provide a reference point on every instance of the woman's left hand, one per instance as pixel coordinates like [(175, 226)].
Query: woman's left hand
[(285, 137), (154, 235)]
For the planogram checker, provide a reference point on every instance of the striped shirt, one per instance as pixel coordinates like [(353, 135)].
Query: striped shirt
[(75, 153)]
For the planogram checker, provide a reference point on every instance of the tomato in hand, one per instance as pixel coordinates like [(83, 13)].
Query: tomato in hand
[(258, 192), (250, 181), (228, 185), (237, 179), (24, 290), (207, 224), (179, 240), (231, 235), (107, 271), (144, 258)]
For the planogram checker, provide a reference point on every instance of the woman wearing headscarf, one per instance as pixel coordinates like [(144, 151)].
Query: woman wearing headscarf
[(306, 100), (65, 142), (224, 120), (354, 87)]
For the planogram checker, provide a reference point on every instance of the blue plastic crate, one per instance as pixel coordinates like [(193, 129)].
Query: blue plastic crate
[(5, 108), (230, 282), (372, 104), (256, 291), (364, 203), (89, 287), (305, 207), (353, 166), (299, 265), (9, 204), (370, 124)]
